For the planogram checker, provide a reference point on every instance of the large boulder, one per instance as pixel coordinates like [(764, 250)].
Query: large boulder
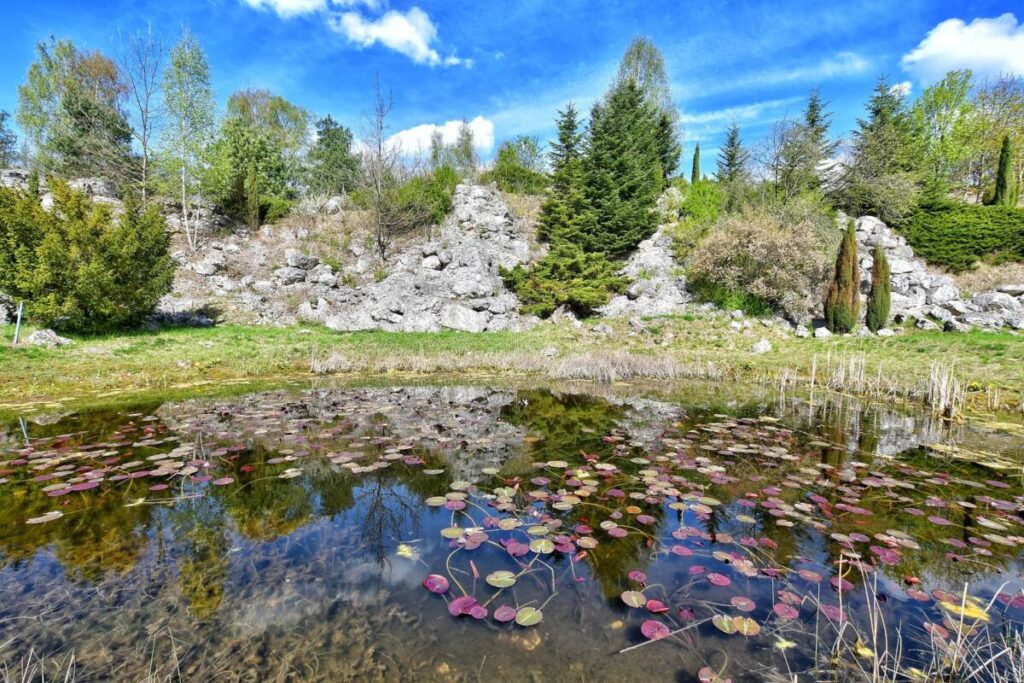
[(657, 287), (47, 338)]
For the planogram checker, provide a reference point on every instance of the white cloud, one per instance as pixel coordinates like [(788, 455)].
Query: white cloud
[(410, 33), (416, 140), (902, 89), (288, 8), (839, 65), (740, 113), (987, 46)]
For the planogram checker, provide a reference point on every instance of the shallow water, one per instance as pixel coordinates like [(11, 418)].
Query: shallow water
[(286, 535)]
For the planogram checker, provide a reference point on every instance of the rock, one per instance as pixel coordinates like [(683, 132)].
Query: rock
[(943, 294), (657, 286), (296, 259), (995, 302), (736, 315), (432, 262), (563, 313), (47, 338), (864, 332), (205, 268), (802, 332), (885, 332), (1012, 289), (762, 346), (1015, 322), (14, 178), (289, 275), (602, 328), (735, 325), (94, 187), (956, 326), (822, 333), (925, 324), (459, 317), (637, 325), (334, 205)]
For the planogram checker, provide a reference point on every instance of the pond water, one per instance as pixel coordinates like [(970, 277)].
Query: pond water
[(474, 533)]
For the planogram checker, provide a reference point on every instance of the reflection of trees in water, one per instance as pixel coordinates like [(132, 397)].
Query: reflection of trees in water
[(568, 423), (199, 526)]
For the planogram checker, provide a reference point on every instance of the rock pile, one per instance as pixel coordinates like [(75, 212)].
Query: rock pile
[(452, 282), (924, 295), (658, 284)]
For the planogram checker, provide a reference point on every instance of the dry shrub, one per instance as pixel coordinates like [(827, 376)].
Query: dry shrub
[(780, 258)]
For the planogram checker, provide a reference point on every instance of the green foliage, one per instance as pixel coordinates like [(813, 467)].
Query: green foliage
[(885, 175), (71, 109), (565, 203), (958, 236), (729, 299), (77, 268), (430, 195), (460, 155), (702, 202), (733, 158), (333, 167), (695, 171), (945, 115), (1006, 192), (643, 65), (273, 209), (33, 183), (566, 276), (246, 168), (8, 141), (842, 304), (517, 167), (880, 296)]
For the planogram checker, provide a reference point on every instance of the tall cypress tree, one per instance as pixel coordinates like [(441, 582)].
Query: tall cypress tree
[(842, 305), (880, 296), (1005, 194), (695, 173)]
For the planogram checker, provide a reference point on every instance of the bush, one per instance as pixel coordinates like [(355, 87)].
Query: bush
[(432, 194), (761, 256), (510, 175), (79, 269), (698, 211), (566, 276), (729, 299), (273, 209), (957, 236)]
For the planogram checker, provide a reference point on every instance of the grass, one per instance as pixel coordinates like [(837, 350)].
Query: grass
[(990, 366)]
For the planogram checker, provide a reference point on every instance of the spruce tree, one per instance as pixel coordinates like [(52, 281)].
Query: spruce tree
[(565, 200), (695, 173), (842, 305), (880, 296), (733, 157), (1005, 194)]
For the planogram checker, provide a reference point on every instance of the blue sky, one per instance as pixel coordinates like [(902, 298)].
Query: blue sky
[(508, 66)]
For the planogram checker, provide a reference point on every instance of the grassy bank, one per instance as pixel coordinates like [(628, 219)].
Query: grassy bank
[(180, 361)]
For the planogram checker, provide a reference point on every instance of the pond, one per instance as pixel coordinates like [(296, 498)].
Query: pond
[(477, 533)]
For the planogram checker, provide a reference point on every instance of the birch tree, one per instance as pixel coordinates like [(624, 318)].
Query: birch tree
[(141, 60), (188, 100)]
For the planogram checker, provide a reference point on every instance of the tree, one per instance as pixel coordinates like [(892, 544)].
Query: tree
[(246, 169), (516, 167), (8, 142), (885, 173), (286, 125), (565, 201), (189, 103), (333, 167), (695, 172), (70, 107), (944, 114), (998, 111), (801, 147), (842, 304), (733, 158), (880, 295), (77, 267), (643, 64), (622, 173), (141, 63), (1006, 185)]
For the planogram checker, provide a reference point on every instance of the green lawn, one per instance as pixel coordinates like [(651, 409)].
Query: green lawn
[(179, 361)]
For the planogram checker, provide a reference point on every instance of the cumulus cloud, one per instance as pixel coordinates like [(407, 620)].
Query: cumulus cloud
[(410, 33), (288, 8), (987, 46), (902, 89), (416, 140)]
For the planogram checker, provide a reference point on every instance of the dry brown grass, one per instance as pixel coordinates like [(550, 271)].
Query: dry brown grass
[(985, 277)]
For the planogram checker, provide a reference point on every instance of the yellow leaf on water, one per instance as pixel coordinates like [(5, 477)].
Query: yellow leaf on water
[(863, 650), (783, 644), (970, 609)]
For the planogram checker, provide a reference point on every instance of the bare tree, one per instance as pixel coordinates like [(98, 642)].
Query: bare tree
[(384, 172), (141, 62)]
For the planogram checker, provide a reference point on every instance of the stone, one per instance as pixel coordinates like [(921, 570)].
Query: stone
[(864, 332), (602, 328), (637, 325), (296, 259), (657, 285), (1016, 289), (47, 338), (205, 268), (956, 326), (885, 332), (762, 346), (802, 332), (995, 301), (432, 262), (925, 324), (289, 275), (459, 317), (14, 178), (822, 333), (943, 294)]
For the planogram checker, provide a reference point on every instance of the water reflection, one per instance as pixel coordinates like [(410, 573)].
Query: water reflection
[(287, 533)]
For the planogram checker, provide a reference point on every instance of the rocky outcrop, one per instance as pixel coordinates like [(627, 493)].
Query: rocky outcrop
[(452, 282), (658, 286), (919, 293)]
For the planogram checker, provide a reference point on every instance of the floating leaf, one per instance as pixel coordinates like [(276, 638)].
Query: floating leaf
[(501, 579), (724, 624), (746, 626), (654, 630), (544, 546), (634, 598), (435, 583), (505, 613), (529, 616)]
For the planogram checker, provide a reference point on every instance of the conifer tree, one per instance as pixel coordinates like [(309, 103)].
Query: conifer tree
[(1005, 194), (842, 305), (695, 173), (733, 157), (880, 296), (565, 200)]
